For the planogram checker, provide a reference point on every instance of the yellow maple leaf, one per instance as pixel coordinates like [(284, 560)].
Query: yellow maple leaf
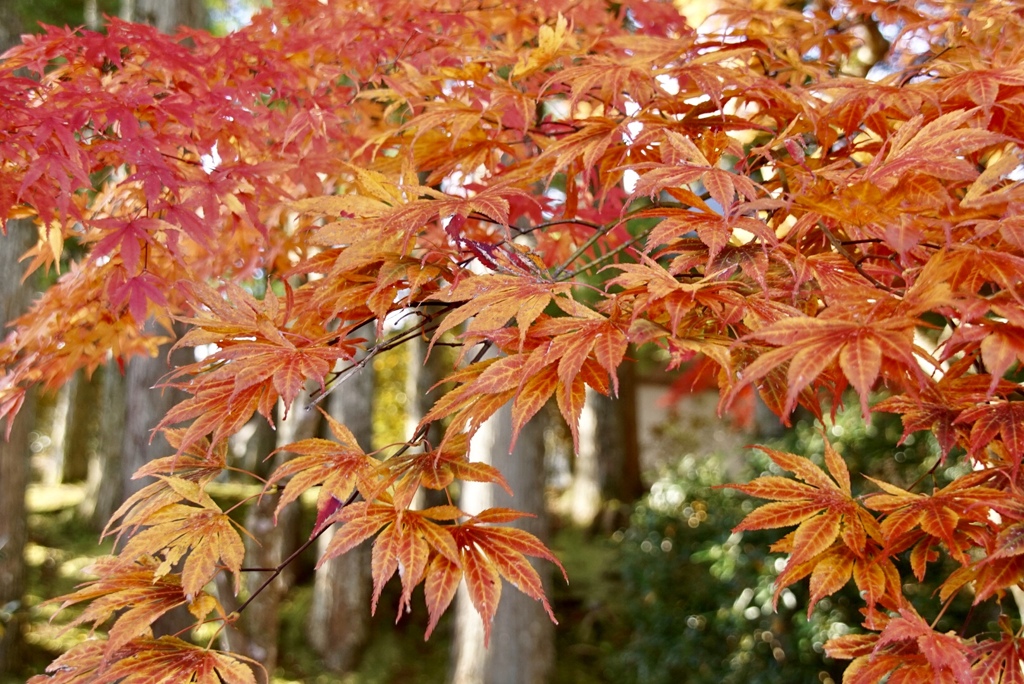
[(549, 41)]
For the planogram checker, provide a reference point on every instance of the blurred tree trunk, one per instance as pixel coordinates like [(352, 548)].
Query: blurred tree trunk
[(130, 412), (144, 403), (14, 452), (146, 406), (237, 637), (10, 35), (607, 468), (50, 461), (104, 488), (338, 625), (81, 427), (422, 374), (273, 542), (256, 633), (522, 649), (91, 14), (166, 15)]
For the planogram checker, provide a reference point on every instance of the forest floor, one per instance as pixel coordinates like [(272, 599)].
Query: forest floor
[(591, 628)]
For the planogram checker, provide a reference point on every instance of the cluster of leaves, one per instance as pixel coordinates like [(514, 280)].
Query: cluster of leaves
[(750, 197)]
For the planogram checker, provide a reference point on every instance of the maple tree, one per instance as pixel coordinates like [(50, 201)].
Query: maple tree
[(787, 197)]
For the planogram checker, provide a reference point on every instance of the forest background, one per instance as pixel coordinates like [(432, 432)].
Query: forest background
[(633, 618)]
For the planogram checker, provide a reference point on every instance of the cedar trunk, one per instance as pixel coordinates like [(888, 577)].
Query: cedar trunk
[(14, 454), (522, 637), (339, 619), (607, 467)]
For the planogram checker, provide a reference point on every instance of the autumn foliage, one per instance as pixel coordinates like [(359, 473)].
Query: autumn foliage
[(806, 200)]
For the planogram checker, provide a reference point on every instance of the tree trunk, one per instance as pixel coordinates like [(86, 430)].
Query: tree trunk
[(256, 634), (339, 619), (14, 452), (607, 467), (81, 431), (166, 15), (423, 373), (522, 637), (146, 405), (10, 35), (91, 14), (104, 486), (50, 461), (259, 623)]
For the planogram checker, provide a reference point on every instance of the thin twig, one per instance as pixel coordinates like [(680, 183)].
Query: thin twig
[(837, 244), (587, 244), (295, 554)]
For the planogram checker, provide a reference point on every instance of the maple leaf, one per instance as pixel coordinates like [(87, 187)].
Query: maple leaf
[(563, 367), (492, 300), (338, 466), (939, 144), (249, 337), (1002, 418), (165, 660), (219, 408), (134, 586), (714, 230), (405, 537), (488, 554), (799, 231), (999, 661), (486, 386), (549, 42), (199, 463), (1000, 569), (945, 653), (907, 650), (948, 515), (823, 509), (937, 407), (443, 578), (437, 469), (811, 345), (200, 534)]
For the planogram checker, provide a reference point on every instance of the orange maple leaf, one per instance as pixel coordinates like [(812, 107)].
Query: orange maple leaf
[(201, 535), (489, 553), (167, 659), (999, 661), (136, 587), (810, 345), (950, 515), (822, 507), (436, 469), (405, 537), (338, 466)]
